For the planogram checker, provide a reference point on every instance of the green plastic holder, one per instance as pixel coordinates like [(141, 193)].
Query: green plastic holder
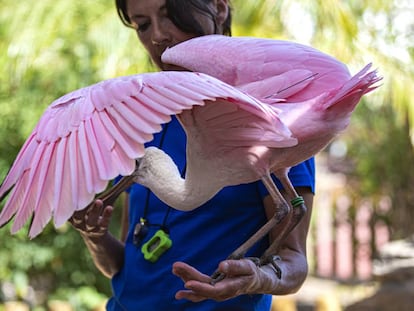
[(156, 246)]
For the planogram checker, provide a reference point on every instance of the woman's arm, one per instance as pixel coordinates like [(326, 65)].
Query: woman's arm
[(244, 277), (107, 252), (292, 252)]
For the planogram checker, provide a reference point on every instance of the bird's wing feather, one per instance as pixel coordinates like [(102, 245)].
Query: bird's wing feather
[(226, 124), (326, 115), (279, 87), (249, 60), (340, 102), (89, 136)]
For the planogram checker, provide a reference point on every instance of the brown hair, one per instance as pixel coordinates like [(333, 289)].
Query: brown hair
[(179, 14)]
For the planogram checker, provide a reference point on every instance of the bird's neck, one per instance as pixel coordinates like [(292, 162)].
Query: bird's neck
[(158, 172)]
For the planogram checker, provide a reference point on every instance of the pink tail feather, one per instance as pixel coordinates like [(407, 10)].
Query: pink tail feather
[(359, 85)]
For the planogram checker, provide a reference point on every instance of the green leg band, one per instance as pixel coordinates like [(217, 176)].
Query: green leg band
[(296, 202)]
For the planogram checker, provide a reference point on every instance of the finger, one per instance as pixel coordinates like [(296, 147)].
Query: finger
[(223, 290), (75, 221), (189, 295), (187, 273), (79, 214), (78, 217), (105, 219), (198, 285), (240, 267), (93, 213)]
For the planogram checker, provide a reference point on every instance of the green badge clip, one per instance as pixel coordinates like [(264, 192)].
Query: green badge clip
[(156, 246)]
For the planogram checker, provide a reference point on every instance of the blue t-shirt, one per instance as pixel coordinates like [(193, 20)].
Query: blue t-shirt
[(201, 238)]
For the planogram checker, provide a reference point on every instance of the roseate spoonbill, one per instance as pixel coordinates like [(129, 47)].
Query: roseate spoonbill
[(90, 136), (313, 92)]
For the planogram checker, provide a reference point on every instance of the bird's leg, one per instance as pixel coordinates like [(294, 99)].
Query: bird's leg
[(299, 210), (109, 196), (282, 213)]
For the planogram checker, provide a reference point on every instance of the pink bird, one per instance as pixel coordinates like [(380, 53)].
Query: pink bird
[(90, 136), (313, 93), (229, 142)]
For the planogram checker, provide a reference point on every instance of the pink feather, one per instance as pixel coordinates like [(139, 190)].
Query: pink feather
[(96, 133), (90, 136), (313, 93)]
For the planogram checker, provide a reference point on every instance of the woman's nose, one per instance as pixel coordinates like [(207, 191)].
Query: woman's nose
[(160, 34)]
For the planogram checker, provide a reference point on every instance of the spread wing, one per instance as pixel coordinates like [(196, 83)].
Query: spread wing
[(90, 136)]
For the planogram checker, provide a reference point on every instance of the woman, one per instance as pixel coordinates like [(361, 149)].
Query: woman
[(178, 279)]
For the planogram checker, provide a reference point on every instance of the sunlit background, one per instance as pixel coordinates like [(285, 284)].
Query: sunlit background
[(364, 179)]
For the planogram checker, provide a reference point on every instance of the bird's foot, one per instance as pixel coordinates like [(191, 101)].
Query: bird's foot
[(218, 276), (109, 196), (281, 217), (273, 262)]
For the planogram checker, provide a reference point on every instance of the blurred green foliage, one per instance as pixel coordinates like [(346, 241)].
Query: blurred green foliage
[(48, 48)]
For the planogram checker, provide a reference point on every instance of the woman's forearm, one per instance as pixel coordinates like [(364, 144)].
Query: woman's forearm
[(107, 253), (293, 268), (292, 251)]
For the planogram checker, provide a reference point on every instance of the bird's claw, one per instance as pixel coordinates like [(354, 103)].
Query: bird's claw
[(272, 260), (266, 260), (218, 276)]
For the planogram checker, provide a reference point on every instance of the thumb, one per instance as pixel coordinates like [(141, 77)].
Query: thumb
[(237, 267)]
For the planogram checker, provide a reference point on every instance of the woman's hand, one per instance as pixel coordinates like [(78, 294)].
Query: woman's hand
[(242, 277), (107, 251), (245, 277), (92, 221)]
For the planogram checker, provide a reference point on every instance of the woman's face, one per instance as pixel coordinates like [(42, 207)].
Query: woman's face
[(155, 29)]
